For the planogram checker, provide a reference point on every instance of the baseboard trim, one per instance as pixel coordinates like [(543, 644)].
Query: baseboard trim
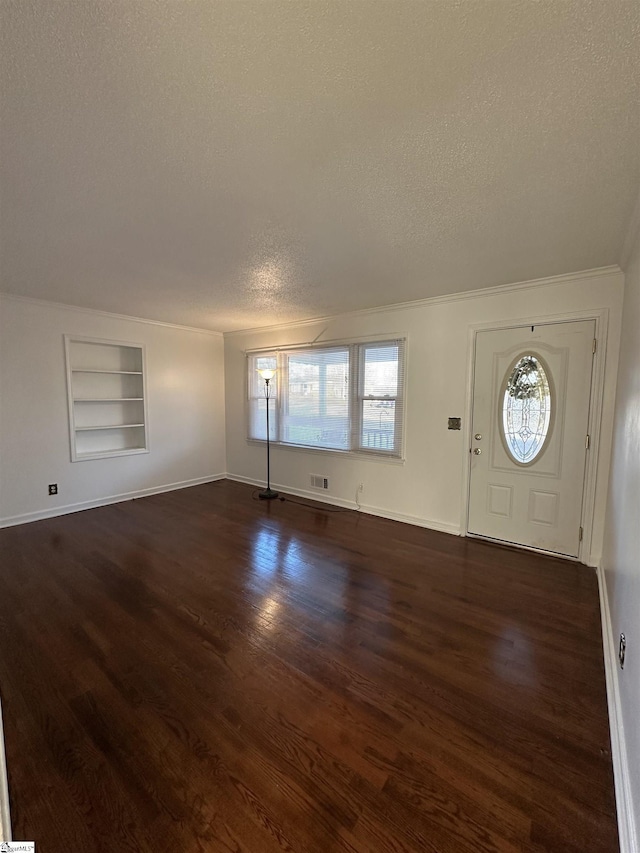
[(318, 496), (14, 520), (417, 521), (299, 493), (5, 816), (629, 842)]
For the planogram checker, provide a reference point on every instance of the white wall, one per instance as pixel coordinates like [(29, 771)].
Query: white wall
[(185, 390), (428, 488), (621, 558)]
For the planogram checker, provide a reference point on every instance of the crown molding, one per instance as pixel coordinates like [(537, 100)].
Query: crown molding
[(550, 281), (111, 315), (631, 235)]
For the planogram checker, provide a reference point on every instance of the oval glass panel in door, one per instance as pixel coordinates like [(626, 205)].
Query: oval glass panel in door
[(526, 409)]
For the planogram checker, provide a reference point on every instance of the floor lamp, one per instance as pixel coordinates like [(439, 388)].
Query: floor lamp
[(268, 493)]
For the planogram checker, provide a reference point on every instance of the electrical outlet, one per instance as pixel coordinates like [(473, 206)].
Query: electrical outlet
[(622, 650), (53, 488)]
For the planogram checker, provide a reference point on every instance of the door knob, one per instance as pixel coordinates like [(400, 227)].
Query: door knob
[(478, 451), (478, 436)]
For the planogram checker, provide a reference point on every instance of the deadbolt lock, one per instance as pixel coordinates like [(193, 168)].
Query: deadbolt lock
[(478, 436)]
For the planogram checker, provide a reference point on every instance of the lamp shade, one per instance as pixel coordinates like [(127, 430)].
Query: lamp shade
[(267, 373)]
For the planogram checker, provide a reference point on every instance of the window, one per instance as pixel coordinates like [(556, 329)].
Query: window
[(258, 400), (316, 409), (347, 397), (379, 402), (526, 409)]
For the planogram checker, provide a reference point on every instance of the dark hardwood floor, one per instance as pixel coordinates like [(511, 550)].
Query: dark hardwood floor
[(200, 671)]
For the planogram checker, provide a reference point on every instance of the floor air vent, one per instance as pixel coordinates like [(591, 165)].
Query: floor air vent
[(319, 482)]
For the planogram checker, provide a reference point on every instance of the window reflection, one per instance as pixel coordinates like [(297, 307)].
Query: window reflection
[(514, 659), (268, 615), (278, 563), (265, 551), (273, 553)]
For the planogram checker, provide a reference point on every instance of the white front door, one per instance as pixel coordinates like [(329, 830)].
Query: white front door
[(531, 395)]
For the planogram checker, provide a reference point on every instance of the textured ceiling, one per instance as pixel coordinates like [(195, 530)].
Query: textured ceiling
[(230, 164)]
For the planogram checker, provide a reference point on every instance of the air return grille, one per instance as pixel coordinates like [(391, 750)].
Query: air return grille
[(319, 482)]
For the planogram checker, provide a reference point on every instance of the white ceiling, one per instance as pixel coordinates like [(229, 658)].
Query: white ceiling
[(228, 164)]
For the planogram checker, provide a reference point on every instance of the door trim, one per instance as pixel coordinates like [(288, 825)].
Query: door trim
[(601, 318), (5, 815), (629, 839), (506, 544)]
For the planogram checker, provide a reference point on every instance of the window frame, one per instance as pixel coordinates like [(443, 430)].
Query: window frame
[(355, 397), (274, 397), (359, 399), (285, 407)]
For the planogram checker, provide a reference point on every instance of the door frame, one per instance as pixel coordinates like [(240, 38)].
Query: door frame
[(601, 318)]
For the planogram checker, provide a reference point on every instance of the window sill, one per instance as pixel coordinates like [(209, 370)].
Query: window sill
[(323, 451)]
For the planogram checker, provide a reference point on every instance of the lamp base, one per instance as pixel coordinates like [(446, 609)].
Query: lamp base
[(267, 495)]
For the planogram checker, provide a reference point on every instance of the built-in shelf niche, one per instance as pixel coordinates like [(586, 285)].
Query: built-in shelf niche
[(107, 405)]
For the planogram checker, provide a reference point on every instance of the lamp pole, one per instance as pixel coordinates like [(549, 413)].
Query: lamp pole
[(268, 493)]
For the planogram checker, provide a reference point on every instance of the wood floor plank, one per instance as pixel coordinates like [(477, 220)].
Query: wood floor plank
[(202, 671)]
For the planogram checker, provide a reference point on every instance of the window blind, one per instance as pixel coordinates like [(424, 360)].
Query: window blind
[(258, 399), (316, 410), (347, 397), (381, 397)]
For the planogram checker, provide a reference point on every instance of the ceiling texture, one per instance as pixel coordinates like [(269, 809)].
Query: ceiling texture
[(229, 164)]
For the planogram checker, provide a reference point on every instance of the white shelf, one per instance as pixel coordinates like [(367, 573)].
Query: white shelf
[(115, 372), (107, 454), (93, 370), (107, 426), (109, 377), (106, 399)]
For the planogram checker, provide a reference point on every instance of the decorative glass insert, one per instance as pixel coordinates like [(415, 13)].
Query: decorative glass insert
[(526, 409)]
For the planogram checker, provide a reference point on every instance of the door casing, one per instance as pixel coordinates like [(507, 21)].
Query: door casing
[(601, 318)]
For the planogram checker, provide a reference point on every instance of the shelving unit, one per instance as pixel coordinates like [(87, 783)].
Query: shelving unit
[(107, 404)]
